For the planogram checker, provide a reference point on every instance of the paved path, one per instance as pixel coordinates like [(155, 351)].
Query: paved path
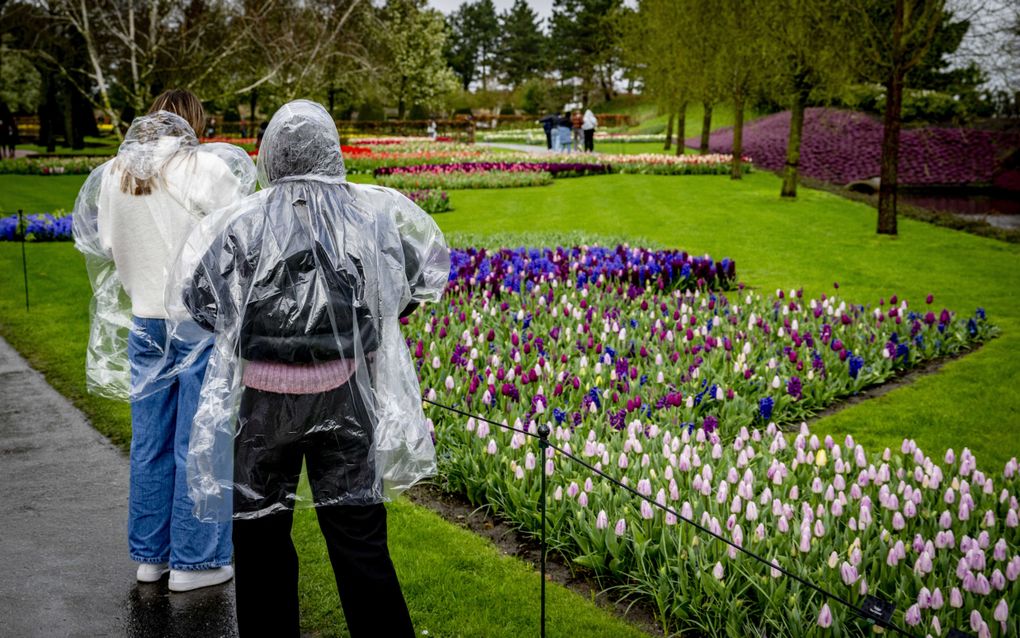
[(64, 568), (526, 148)]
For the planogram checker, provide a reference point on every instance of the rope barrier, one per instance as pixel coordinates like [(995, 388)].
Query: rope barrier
[(875, 611)]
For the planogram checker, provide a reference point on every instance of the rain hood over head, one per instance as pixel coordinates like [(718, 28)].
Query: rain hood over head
[(301, 287), (168, 182)]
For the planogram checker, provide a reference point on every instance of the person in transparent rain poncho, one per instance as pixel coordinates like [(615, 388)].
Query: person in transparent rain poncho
[(301, 287), (130, 219)]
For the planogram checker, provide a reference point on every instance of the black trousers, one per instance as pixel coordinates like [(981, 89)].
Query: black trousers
[(589, 139), (329, 432), (266, 573)]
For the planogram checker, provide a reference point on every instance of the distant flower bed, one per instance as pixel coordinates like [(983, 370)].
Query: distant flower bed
[(431, 201), (844, 146), (556, 169), (387, 141), (50, 165), (453, 180), (229, 140), (37, 227)]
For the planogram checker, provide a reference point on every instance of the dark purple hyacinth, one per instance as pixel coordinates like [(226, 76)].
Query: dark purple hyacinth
[(844, 146)]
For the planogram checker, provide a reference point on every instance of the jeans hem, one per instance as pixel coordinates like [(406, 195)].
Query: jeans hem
[(213, 564), (149, 560)]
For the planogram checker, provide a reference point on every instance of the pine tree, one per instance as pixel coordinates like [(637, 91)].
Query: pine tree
[(522, 47)]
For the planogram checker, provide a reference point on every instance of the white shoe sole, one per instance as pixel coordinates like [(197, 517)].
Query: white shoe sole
[(182, 581)]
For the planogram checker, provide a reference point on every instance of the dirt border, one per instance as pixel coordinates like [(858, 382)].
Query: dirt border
[(456, 509)]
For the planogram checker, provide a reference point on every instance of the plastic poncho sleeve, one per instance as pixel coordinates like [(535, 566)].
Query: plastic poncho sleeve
[(107, 372)]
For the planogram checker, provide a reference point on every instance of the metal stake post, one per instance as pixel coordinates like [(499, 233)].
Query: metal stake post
[(24, 262), (543, 445)]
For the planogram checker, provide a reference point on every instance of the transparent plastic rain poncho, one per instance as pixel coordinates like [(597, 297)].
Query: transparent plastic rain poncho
[(301, 287), (185, 182)]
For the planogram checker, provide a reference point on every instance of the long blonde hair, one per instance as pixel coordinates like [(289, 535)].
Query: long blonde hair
[(179, 102)]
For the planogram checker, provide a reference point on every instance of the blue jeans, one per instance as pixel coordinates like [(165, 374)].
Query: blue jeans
[(161, 524)]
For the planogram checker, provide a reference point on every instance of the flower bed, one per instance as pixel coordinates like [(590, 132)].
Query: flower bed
[(844, 146), (677, 392), (38, 227), (507, 269), (50, 165), (449, 180), (431, 201), (556, 169)]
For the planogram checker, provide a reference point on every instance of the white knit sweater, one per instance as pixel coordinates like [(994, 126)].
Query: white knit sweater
[(145, 232)]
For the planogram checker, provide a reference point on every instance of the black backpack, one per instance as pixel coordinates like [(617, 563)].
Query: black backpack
[(304, 310)]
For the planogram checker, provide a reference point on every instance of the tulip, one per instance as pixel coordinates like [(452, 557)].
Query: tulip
[(602, 520), (621, 527), (825, 617), (718, 571), (912, 616), (955, 598)]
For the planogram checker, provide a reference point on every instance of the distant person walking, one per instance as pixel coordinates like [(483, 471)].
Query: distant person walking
[(589, 124), (561, 142), (576, 122), (548, 124)]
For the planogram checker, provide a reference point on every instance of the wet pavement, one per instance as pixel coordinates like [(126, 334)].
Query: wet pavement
[(64, 567)]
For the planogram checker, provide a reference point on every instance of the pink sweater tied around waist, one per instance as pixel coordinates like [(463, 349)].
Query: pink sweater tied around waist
[(291, 378)]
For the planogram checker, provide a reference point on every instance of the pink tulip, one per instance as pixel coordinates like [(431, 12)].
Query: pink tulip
[(491, 448), (924, 598), (976, 620), (1001, 612), (621, 527), (913, 616), (646, 511), (936, 626), (718, 571), (825, 617), (955, 598), (582, 499), (936, 599), (848, 573), (602, 520)]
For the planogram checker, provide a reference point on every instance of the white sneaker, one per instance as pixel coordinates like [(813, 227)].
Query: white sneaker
[(151, 572), (196, 579)]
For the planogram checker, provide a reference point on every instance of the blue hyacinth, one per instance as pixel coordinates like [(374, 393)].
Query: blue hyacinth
[(765, 408)]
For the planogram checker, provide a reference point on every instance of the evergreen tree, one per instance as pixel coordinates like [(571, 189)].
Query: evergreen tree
[(522, 45)]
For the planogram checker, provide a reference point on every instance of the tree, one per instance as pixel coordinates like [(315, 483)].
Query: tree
[(655, 39), (415, 70), (806, 55), (585, 43), (521, 46), (738, 67), (473, 42), (893, 38)]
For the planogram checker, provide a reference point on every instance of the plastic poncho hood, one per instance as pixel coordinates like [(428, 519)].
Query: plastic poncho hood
[(300, 288), (177, 181)]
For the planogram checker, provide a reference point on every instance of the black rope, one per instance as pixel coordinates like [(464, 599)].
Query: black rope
[(774, 565)]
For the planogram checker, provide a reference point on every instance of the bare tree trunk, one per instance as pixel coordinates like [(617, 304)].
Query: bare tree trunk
[(890, 156), (891, 133), (790, 172), (681, 126), (669, 133), (86, 32), (736, 167), (253, 98), (706, 128)]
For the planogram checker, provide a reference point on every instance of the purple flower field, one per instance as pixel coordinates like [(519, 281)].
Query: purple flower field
[(844, 146)]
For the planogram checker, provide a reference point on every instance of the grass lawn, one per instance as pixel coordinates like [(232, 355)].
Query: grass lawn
[(811, 243), (106, 145)]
